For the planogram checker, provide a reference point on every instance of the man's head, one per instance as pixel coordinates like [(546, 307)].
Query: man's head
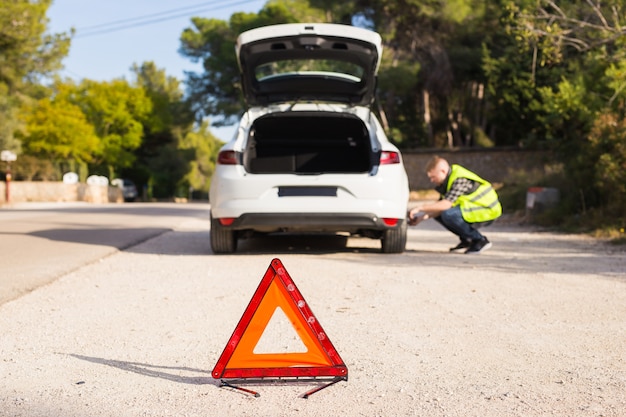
[(437, 170)]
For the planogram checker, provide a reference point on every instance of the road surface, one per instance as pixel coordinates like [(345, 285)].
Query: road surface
[(136, 310)]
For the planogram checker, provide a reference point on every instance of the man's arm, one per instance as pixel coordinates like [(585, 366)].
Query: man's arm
[(419, 214), (459, 187)]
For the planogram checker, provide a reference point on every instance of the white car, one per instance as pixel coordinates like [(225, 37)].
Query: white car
[(309, 155)]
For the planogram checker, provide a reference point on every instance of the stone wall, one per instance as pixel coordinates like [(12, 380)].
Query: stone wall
[(43, 191), (494, 164)]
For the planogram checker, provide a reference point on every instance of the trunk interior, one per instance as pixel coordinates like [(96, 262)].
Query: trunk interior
[(308, 144)]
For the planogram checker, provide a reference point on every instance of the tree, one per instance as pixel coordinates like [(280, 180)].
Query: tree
[(431, 83), (9, 120), (27, 54), (175, 154), (607, 148), (582, 26), (159, 162), (58, 130), (511, 84), (557, 76), (217, 91), (99, 123), (203, 147), (118, 112)]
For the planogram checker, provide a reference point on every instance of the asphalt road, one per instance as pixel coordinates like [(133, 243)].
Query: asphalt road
[(40, 242), (122, 310)]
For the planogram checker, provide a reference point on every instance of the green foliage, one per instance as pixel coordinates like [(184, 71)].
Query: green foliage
[(565, 113), (607, 152), (26, 54), (30, 168), (510, 86), (117, 110), (58, 130), (305, 11), (481, 139), (203, 147), (175, 154), (27, 51), (462, 11), (166, 96), (217, 91), (397, 86), (616, 75), (9, 120), (100, 123), (144, 131)]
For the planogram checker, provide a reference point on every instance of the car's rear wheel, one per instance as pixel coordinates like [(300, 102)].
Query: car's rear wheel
[(394, 240), (223, 240)]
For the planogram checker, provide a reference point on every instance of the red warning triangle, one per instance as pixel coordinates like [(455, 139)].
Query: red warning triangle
[(278, 291)]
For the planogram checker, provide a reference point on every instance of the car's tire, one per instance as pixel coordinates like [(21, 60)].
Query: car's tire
[(223, 240), (394, 240)]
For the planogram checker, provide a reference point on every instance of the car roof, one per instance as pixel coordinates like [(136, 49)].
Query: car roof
[(309, 62)]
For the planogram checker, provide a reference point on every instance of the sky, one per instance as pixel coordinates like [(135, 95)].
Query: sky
[(112, 35)]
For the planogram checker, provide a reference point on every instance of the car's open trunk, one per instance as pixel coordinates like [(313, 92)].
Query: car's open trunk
[(308, 143)]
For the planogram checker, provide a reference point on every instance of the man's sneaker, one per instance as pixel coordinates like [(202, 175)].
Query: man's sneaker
[(478, 246), (463, 244)]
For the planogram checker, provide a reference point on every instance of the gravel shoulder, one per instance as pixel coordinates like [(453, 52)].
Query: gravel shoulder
[(533, 327)]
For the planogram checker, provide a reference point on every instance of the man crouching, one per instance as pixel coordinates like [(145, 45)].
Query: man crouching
[(467, 202)]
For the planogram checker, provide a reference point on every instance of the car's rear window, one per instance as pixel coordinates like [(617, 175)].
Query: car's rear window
[(320, 67)]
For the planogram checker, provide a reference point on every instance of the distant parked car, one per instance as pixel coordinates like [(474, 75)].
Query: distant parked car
[(129, 190), (309, 155)]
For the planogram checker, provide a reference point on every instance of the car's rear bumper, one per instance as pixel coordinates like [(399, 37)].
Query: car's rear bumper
[(235, 193), (311, 222)]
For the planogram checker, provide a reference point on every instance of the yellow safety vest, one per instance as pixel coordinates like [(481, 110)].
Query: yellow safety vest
[(482, 205)]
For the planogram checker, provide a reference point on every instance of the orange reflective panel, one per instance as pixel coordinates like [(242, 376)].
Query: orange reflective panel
[(278, 293)]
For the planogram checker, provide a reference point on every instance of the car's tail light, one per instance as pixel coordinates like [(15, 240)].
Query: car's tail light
[(226, 221), (388, 158), (390, 222), (228, 158)]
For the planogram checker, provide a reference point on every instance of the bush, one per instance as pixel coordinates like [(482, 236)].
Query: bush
[(575, 212), (607, 147), (30, 168)]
